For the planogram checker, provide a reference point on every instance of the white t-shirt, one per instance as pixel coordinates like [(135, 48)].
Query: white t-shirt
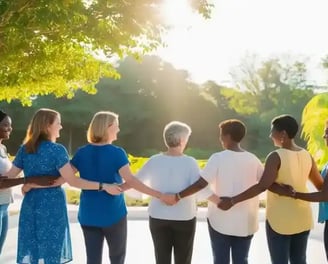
[(170, 174), (230, 173)]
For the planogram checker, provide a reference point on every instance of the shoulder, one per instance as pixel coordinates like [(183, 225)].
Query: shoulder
[(273, 159), (21, 148), (273, 154), (217, 155), (53, 147), (190, 159), (83, 148), (58, 146), (116, 148), (156, 157), (252, 155)]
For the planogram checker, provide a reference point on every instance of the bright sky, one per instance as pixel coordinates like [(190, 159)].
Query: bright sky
[(208, 49)]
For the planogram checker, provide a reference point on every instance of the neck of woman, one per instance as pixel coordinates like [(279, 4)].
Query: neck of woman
[(177, 151), (290, 144), (235, 147)]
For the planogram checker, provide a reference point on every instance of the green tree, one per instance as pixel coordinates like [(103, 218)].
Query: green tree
[(267, 89), (55, 47)]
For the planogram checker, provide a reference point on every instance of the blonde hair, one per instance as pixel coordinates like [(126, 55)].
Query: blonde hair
[(174, 132), (97, 131), (38, 128)]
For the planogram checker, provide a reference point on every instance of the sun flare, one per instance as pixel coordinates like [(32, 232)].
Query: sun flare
[(177, 13)]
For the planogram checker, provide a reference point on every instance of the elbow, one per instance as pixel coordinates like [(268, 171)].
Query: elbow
[(72, 182), (201, 184), (261, 188)]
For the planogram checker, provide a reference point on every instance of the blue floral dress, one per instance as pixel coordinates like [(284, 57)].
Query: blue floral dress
[(43, 231)]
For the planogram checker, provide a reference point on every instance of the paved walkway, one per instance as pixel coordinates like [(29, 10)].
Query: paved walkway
[(140, 249)]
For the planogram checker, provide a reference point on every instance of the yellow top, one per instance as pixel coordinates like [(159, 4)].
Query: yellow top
[(287, 215)]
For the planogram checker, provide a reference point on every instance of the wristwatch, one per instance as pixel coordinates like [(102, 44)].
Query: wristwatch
[(101, 185)]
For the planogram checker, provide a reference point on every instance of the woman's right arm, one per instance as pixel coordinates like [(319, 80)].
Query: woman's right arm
[(321, 196), (133, 182), (68, 174)]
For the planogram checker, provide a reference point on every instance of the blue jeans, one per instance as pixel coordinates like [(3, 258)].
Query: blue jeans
[(3, 224), (222, 244), (115, 235), (284, 248)]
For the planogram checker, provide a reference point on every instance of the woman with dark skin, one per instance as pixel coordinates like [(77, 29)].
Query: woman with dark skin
[(288, 221), (321, 196)]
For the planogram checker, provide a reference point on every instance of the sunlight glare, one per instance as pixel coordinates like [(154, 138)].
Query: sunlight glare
[(177, 13)]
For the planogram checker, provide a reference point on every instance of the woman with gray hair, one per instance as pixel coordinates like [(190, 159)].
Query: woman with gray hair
[(172, 227)]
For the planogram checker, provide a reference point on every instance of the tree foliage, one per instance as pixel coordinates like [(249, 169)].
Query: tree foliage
[(150, 94), (269, 84), (58, 47), (314, 116)]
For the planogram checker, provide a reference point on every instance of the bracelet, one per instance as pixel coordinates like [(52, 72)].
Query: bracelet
[(101, 186), (177, 195)]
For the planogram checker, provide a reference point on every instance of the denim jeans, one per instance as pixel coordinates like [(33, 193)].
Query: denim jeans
[(3, 224), (284, 248), (222, 244), (115, 236), (174, 235)]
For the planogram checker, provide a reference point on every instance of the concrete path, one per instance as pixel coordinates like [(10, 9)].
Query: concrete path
[(140, 250)]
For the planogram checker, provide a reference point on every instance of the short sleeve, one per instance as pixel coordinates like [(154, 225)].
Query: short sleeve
[(122, 158), (211, 169), (145, 171), (61, 156), (18, 161), (75, 161), (195, 171)]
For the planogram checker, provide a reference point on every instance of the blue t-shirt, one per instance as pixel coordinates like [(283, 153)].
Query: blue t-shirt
[(323, 206), (100, 163)]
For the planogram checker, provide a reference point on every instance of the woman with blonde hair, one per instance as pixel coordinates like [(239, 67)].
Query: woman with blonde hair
[(103, 216), (43, 232)]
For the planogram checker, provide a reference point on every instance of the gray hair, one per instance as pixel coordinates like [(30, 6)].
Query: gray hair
[(174, 132)]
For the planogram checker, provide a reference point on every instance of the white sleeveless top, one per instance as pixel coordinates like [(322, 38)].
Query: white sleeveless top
[(5, 165)]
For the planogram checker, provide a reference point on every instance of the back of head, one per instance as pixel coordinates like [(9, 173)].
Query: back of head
[(2, 115), (38, 128), (174, 132), (97, 131), (233, 127), (285, 123)]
